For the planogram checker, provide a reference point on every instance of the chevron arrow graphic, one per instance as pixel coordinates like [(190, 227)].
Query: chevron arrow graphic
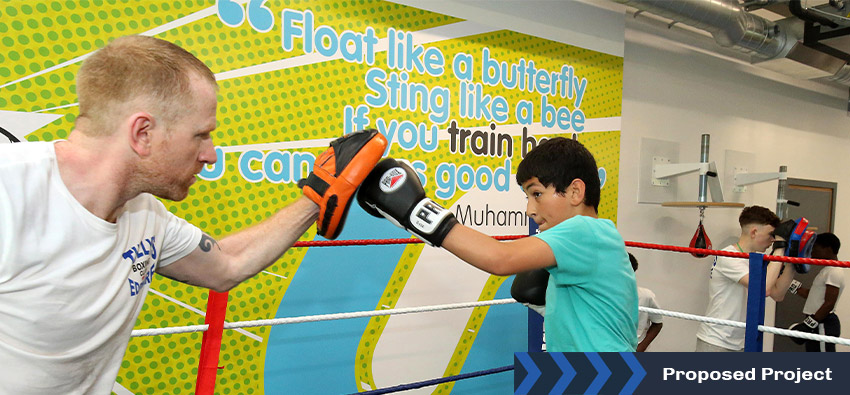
[(533, 373), (586, 373), (567, 377), (637, 373), (602, 373)]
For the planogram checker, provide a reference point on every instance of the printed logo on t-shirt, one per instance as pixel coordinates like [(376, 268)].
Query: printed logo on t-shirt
[(713, 265), (140, 257)]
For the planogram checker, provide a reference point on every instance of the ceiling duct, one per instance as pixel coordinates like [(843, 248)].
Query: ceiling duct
[(777, 46)]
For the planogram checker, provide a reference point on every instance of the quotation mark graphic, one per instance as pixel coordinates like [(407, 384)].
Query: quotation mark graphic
[(231, 13), (8, 136)]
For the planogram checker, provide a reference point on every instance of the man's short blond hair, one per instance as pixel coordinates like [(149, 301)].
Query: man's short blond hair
[(132, 71)]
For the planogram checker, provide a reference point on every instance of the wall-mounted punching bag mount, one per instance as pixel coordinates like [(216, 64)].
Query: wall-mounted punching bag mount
[(708, 183)]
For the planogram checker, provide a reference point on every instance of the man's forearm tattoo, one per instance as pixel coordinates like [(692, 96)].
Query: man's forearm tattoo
[(207, 243)]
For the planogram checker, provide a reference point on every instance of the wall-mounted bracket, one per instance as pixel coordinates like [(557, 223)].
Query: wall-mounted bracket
[(659, 182), (656, 152), (661, 171), (742, 179), (736, 162), (735, 171), (714, 183)]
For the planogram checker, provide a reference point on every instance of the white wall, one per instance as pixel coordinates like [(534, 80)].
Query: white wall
[(673, 93), (588, 24), (676, 93)]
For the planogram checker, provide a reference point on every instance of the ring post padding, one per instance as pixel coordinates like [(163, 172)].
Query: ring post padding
[(535, 320), (753, 339), (211, 343), (535, 331)]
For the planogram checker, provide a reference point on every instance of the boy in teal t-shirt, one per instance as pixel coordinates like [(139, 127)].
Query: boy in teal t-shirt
[(591, 295)]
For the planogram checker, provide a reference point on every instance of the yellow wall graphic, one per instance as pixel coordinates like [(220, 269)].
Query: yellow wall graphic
[(461, 101)]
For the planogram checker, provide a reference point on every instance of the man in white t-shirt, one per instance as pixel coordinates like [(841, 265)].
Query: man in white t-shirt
[(821, 297), (730, 277), (649, 324), (81, 233)]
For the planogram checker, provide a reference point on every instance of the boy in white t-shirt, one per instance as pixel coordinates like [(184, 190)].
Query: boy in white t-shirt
[(730, 277), (821, 297), (649, 324)]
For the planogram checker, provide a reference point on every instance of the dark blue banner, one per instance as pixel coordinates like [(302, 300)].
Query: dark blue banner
[(680, 373)]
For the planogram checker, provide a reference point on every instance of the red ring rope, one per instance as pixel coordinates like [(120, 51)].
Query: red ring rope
[(701, 251), (364, 242), (208, 369)]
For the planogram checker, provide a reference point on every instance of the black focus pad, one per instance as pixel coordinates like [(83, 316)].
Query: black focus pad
[(530, 287), (348, 146), (785, 229)]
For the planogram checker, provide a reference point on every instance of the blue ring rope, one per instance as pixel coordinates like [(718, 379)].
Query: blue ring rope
[(420, 384)]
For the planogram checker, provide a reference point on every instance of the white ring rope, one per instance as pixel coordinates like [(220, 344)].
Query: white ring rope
[(359, 314), (692, 317), (170, 330), (321, 317), (804, 335), (453, 306), (763, 328)]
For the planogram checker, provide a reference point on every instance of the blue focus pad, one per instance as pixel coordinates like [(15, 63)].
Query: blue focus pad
[(800, 242), (807, 241), (796, 235)]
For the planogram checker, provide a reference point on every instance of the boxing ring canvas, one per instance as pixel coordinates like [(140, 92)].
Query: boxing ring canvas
[(460, 100)]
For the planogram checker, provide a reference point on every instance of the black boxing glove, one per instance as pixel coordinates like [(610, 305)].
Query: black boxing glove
[(530, 287), (783, 231), (392, 190), (808, 325)]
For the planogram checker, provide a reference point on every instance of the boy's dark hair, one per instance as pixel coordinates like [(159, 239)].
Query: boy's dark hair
[(634, 261), (758, 215), (559, 161), (828, 240)]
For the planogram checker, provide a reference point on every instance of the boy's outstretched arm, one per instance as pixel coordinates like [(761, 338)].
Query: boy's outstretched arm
[(392, 190), (501, 258)]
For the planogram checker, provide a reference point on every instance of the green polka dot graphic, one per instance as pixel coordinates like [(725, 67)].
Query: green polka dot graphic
[(44, 41)]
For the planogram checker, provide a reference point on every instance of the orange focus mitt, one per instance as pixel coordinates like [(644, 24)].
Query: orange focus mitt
[(336, 175)]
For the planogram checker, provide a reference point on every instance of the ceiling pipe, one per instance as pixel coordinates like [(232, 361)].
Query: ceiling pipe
[(771, 45), (729, 24)]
